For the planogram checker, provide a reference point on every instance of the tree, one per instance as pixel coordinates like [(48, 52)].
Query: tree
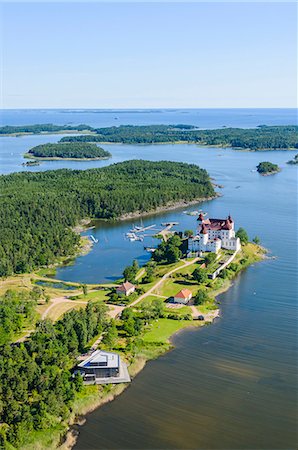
[(158, 307), (129, 274), (256, 240), (111, 335), (173, 254), (200, 275), (149, 277), (242, 235), (224, 273), (201, 297), (210, 258), (85, 289), (135, 266), (168, 252), (188, 233)]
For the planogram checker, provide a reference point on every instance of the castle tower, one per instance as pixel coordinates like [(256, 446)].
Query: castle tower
[(204, 235)]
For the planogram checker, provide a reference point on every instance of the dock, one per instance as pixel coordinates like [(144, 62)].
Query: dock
[(166, 231)]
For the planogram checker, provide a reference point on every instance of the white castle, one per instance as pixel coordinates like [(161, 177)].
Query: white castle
[(214, 234)]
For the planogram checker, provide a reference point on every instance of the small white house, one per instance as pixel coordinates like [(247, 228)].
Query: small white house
[(126, 288), (183, 296)]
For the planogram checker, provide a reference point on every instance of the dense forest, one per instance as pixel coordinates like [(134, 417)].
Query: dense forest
[(267, 167), (16, 311), (37, 388), (42, 128), (263, 137), (37, 210), (260, 138), (73, 150)]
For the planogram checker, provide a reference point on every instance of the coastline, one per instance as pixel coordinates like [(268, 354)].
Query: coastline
[(168, 207), (139, 362), (92, 133), (93, 397), (40, 158), (267, 174)]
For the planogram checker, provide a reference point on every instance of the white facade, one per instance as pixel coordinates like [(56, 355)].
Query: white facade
[(214, 234), (183, 297)]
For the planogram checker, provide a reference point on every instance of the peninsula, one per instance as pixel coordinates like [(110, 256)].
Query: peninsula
[(257, 139), (116, 327), (69, 151), (44, 206)]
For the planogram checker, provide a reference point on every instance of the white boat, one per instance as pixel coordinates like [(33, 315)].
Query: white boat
[(93, 239)]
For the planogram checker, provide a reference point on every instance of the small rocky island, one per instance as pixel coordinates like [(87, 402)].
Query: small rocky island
[(31, 163), (73, 150), (267, 168), (294, 160)]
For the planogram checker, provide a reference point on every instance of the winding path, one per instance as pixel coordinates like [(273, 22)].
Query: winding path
[(159, 282)]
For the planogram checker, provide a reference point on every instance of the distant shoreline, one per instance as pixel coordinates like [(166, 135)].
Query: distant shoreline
[(49, 158)]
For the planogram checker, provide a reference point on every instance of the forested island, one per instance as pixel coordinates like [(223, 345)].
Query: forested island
[(43, 128), (38, 210), (267, 168), (257, 139), (71, 150), (261, 138), (294, 160)]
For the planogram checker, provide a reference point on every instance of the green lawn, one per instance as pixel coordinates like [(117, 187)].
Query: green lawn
[(172, 286), (94, 295), (162, 329)]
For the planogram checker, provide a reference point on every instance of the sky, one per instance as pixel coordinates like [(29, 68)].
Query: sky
[(148, 55)]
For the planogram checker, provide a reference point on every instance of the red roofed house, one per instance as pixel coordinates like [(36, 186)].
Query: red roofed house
[(183, 296), (126, 288)]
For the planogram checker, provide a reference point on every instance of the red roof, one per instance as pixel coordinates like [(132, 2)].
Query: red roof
[(216, 225), (125, 286), (201, 217), (184, 293)]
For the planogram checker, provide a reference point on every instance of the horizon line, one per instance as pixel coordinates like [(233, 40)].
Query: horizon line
[(145, 108)]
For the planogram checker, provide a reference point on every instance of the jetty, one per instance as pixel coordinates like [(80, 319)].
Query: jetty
[(166, 231), (141, 229)]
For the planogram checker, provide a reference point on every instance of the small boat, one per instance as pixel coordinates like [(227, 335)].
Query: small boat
[(93, 239)]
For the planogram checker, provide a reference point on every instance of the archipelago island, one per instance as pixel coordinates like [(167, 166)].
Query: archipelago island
[(68, 151), (257, 139), (267, 168)]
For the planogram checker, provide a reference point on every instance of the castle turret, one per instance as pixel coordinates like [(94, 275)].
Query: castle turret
[(231, 221), (200, 219), (204, 234)]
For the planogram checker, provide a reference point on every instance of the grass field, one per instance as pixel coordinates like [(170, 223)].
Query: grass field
[(163, 329), (61, 308), (172, 286), (94, 295)]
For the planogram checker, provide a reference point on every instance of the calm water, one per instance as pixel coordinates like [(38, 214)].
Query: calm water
[(231, 385), (204, 118)]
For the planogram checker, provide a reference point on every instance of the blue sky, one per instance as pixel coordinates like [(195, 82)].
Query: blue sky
[(144, 55)]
